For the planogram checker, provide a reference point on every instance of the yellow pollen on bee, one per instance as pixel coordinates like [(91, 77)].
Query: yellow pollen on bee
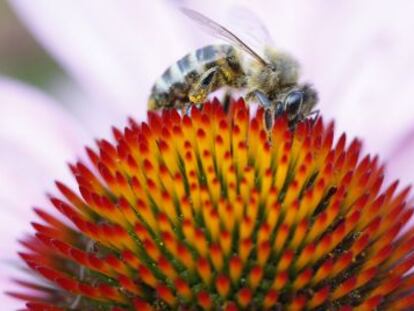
[(198, 98)]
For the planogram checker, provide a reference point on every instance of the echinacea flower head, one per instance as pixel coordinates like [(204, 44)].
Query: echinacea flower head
[(211, 211)]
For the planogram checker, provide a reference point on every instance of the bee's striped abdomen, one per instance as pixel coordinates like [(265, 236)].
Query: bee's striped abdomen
[(172, 88)]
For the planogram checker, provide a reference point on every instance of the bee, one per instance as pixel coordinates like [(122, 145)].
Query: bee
[(271, 79), (197, 74)]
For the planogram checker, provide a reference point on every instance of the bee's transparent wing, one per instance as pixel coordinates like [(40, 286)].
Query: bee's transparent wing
[(250, 26), (221, 31)]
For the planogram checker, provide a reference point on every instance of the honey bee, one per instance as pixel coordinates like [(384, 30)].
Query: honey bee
[(272, 80)]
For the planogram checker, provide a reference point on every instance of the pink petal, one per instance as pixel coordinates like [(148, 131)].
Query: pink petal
[(36, 139), (11, 229), (401, 159), (37, 125), (114, 49), (7, 302)]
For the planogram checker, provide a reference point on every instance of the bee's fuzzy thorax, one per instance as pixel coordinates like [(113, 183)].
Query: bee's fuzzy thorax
[(282, 72)]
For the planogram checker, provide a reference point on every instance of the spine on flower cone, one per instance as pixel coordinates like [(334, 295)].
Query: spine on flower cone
[(212, 210)]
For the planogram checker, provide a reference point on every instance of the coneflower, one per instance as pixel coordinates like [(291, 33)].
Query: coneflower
[(210, 211)]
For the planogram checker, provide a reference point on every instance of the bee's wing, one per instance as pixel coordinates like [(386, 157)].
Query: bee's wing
[(222, 32), (250, 26)]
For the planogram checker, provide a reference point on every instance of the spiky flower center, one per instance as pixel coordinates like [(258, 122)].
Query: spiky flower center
[(211, 211)]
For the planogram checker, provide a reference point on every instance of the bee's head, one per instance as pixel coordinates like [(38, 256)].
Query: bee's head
[(299, 102)]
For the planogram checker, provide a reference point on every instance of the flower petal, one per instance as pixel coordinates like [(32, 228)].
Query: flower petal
[(35, 124), (114, 49), (401, 159), (36, 137)]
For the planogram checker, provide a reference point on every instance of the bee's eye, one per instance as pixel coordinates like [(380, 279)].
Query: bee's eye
[(293, 101)]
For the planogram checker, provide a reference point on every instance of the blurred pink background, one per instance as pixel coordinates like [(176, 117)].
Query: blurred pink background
[(71, 69)]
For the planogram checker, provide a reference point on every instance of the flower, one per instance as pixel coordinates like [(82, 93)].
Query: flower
[(211, 210), (357, 58)]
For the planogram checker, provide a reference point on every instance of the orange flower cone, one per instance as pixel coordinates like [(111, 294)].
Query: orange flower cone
[(211, 211)]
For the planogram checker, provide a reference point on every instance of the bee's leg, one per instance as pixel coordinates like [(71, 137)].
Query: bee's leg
[(264, 101), (269, 109), (186, 109), (292, 123), (199, 106), (268, 118), (226, 101), (251, 96)]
